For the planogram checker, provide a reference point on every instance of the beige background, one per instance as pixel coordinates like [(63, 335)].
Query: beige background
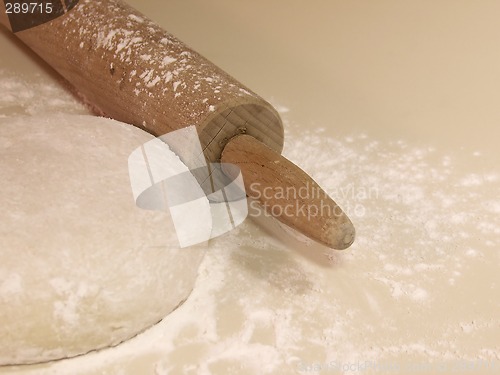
[(424, 73)]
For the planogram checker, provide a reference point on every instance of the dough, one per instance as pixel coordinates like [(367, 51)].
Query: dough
[(81, 266)]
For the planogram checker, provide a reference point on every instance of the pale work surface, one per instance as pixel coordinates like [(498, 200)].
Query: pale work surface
[(393, 108)]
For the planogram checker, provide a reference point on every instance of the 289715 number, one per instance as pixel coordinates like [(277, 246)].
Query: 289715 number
[(28, 8)]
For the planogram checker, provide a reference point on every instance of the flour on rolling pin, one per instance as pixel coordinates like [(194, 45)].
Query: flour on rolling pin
[(137, 73)]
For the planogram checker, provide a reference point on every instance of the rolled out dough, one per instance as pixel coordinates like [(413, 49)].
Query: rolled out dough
[(81, 266)]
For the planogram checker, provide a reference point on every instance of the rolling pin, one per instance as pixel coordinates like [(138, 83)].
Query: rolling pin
[(132, 70)]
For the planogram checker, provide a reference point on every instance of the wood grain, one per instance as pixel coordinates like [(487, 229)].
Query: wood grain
[(288, 193)]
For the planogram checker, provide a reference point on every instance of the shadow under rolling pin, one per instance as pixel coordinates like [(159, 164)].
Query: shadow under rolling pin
[(136, 72)]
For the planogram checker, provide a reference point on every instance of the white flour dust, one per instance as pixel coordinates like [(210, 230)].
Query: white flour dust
[(38, 96), (419, 285)]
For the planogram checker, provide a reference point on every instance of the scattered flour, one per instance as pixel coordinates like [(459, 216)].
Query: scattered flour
[(20, 97)]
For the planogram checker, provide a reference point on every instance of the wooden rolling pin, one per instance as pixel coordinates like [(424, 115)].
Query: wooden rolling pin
[(136, 72)]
